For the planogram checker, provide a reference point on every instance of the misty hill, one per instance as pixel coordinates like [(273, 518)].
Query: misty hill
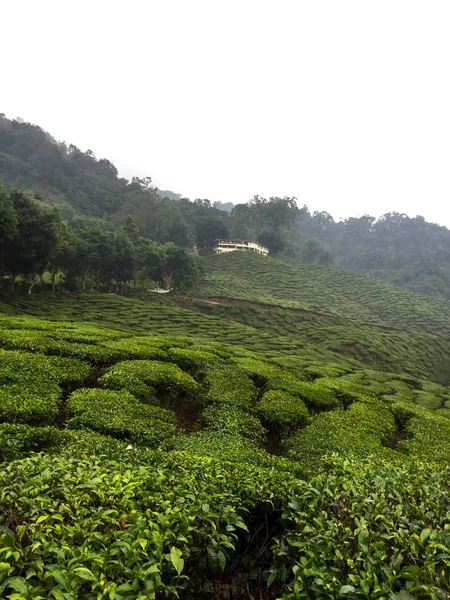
[(88, 190), (408, 252)]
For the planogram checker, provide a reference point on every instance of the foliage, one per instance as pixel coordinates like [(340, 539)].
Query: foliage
[(281, 411), (228, 419), (120, 415), (30, 385), (366, 530), (227, 385), (364, 429), (150, 379), (74, 527), (17, 441)]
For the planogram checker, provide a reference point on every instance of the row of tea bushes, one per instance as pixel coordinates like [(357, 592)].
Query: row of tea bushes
[(30, 385), (301, 285), (149, 380), (364, 429), (367, 529), (125, 528), (121, 415)]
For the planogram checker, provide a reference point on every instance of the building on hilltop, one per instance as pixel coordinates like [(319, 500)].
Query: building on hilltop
[(223, 246)]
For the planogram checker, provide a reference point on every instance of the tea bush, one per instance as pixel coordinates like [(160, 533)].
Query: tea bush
[(232, 448), (367, 530), (193, 360), (426, 435), (227, 418), (260, 371), (120, 415), (364, 429), (145, 378), (282, 412), (229, 385), (19, 440), (89, 528), (315, 396), (345, 391), (29, 385)]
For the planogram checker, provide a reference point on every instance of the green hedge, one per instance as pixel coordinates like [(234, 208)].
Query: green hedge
[(124, 529), (426, 435), (19, 440), (367, 529), (193, 360), (30, 385), (315, 396), (226, 384), (364, 429), (146, 379), (282, 412), (227, 418), (121, 415)]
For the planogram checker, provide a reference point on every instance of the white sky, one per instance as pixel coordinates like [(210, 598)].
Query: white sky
[(342, 103)]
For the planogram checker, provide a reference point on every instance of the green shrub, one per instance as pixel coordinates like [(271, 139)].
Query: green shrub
[(315, 396), (120, 415), (29, 390), (227, 418), (427, 400), (366, 530), (193, 360), (52, 343), (318, 370), (19, 440), (69, 370), (148, 379), (282, 412), (138, 347), (227, 384), (225, 447), (90, 527), (361, 430), (426, 435), (345, 391), (260, 371)]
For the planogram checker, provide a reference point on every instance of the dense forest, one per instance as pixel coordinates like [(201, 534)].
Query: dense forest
[(34, 241), (88, 192)]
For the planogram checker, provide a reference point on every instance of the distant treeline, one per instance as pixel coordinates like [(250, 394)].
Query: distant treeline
[(34, 240)]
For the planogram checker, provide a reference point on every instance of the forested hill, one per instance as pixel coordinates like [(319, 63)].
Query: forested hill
[(406, 251), (87, 190)]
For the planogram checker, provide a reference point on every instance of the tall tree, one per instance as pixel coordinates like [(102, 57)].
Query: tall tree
[(35, 240)]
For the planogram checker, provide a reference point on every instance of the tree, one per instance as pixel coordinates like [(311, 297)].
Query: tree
[(268, 221), (209, 229), (36, 238), (60, 257), (313, 252), (179, 267), (8, 227)]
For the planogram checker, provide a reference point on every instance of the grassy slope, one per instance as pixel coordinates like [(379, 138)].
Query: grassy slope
[(306, 286), (151, 402), (355, 316)]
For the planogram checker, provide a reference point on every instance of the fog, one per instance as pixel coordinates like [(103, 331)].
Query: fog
[(344, 105)]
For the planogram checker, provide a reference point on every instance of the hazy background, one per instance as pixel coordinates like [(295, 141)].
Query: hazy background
[(345, 105)]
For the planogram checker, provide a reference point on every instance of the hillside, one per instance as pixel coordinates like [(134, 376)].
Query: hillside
[(267, 436), (88, 191), (408, 252)]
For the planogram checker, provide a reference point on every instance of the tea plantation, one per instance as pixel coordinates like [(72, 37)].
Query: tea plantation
[(283, 432)]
